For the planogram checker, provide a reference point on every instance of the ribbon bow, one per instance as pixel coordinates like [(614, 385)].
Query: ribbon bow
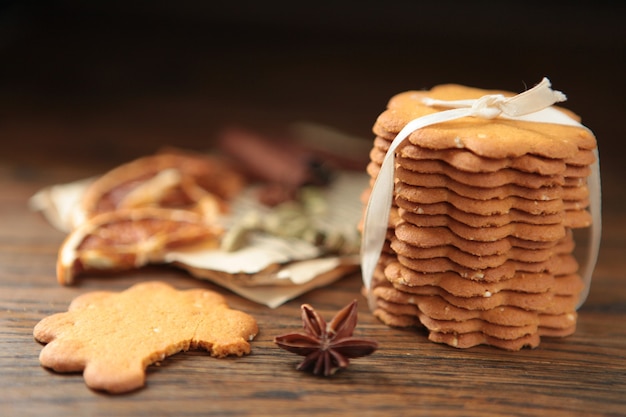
[(531, 105)]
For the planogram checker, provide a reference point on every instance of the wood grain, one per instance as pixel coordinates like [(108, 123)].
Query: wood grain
[(84, 89), (584, 374)]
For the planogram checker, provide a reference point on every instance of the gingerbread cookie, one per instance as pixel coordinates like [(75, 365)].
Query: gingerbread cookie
[(437, 308), (113, 337), (481, 179), (404, 278), (494, 138), (461, 257), (424, 195), (470, 162), (482, 192), (468, 340), (480, 247), (473, 220)]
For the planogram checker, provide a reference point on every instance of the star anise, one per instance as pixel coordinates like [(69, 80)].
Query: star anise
[(327, 347)]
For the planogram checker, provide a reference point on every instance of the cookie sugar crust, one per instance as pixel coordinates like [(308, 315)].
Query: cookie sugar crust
[(492, 138), (114, 337)]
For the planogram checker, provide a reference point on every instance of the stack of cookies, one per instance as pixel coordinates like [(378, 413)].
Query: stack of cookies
[(479, 248)]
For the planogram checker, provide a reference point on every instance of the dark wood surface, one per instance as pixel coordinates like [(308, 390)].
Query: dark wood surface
[(79, 95), (584, 374)]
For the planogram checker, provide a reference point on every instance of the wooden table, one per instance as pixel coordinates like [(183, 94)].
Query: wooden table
[(584, 374), (80, 100)]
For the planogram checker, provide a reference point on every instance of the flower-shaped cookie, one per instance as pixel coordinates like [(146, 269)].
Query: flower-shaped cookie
[(113, 337)]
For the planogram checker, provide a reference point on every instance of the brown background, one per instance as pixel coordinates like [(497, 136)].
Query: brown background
[(88, 84), (118, 78)]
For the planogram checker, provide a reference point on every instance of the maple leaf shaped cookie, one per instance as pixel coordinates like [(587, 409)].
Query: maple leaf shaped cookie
[(113, 337)]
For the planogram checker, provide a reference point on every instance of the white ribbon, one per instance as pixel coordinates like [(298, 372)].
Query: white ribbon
[(532, 105)]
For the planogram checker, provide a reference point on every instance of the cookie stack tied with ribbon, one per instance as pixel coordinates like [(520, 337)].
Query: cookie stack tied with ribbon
[(468, 228)]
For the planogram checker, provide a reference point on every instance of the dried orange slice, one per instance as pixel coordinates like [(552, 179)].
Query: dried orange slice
[(174, 180), (131, 238)]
